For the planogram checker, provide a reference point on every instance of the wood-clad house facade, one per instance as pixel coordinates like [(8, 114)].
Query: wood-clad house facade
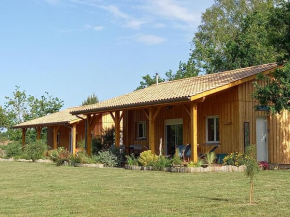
[(66, 130), (202, 111)]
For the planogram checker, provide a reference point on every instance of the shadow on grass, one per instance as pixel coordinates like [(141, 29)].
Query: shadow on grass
[(213, 198)]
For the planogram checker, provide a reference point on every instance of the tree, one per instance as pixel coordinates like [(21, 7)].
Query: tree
[(92, 99), (233, 35), (148, 81), (275, 94), (20, 108)]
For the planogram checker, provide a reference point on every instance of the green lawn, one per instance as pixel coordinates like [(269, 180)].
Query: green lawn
[(34, 189)]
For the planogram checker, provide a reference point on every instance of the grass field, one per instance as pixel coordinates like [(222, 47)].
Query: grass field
[(31, 189)]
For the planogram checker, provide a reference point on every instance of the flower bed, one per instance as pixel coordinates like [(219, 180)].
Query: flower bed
[(227, 168)]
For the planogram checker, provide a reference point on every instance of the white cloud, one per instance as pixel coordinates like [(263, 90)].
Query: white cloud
[(98, 28), (149, 39), (113, 9)]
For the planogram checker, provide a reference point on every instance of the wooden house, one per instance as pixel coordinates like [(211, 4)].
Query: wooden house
[(204, 111), (62, 125)]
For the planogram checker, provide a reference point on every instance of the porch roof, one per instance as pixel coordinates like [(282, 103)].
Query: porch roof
[(178, 90), (58, 118)]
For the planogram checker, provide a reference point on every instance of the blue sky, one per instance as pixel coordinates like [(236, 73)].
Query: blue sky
[(73, 48)]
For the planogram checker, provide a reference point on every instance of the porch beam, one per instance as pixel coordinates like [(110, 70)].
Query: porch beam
[(193, 131), (55, 130), (91, 119), (74, 139), (187, 110), (146, 113), (117, 129), (89, 138), (23, 137), (156, 113), (113, 117), (122, 116), (151, 130), (38, 133)]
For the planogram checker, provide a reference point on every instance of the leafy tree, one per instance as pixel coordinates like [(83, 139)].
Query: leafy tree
[(92, 99), (148, 81), (20, 108), (3, 118), (233, 34)]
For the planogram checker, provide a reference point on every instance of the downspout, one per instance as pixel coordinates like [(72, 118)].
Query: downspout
[(86, 129)]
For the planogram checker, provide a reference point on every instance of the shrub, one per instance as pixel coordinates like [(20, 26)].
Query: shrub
[(199, 163), (35, 150), (235, 159), (120, 156), (108, 158), (161, 163), (210, 158), (147, 158), (176, 161), (81, 158), (60, 155), (13, 150), (81, 145), (132, 160), (263, 165), (96, 145)]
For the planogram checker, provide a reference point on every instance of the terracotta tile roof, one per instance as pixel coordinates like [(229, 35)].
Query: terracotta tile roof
[(62, 117), (177, 90)]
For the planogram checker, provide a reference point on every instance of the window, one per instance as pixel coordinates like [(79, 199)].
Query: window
[(212, 129), (141, 130)]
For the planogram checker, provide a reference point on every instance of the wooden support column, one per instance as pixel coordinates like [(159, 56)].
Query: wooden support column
[(193, 131), (151, 130), (126, 131), (55, 129), (117, 128), (89, 138), (74, 139), (38, 133), (23, 137)]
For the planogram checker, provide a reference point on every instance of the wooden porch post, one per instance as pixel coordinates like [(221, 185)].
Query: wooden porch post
[(74, 138), (193, 131), (117, 129), (38, 133), (89, 138), (126, 131), (151, 130), (23, 137), (55, 129)]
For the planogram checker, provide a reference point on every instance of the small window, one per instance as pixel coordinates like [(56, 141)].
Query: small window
[(141, 130), (212, 129), (58, 138)]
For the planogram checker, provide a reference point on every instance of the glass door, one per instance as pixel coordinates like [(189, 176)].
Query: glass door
[(174, 138)]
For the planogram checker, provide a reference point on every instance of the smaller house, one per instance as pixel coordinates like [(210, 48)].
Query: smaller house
[(66, 130)]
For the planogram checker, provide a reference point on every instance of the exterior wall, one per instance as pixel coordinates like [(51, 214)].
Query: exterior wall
[(99, 123), (278, 126), (224, 105)]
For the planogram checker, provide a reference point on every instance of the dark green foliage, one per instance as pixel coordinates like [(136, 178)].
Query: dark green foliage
[(13, 149), (92, 99), (132, 160), (108, 137), (35, 150), (176, 161), (120, 156), (275, 94), (96, 145), (161, 163), (279, 30), (148, 81)]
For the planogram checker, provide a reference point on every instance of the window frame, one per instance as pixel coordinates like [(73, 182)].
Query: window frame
[(144, 130), (215, 117)]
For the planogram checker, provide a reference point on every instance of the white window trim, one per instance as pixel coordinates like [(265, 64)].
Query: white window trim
[(206, 129), (144, 130)]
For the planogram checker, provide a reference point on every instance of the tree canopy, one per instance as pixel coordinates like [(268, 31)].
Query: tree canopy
[(92, 99), (21, 107)]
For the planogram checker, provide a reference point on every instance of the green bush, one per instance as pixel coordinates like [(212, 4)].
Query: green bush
[(235, 159), (132, 160), (35, 150), (120, 156), (13, 150), (96, 145), (81, 158), (210, 158), (199, 163), (176, 161), (108, 158), (60, 155), (161, 163), (147, 158)]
